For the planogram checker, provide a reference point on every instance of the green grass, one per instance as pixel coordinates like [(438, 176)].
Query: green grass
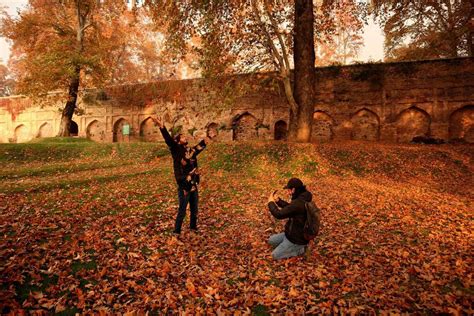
[(61, 168), (28, 285), (67, 149), (260, 310), (78, 266), (67, 184)]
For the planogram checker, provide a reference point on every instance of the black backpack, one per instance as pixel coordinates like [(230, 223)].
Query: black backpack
[(313, 221)]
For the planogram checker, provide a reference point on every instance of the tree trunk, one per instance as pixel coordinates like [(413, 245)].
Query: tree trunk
[(470, 33), (70, 106), (293, 124), (68, 111), (304, 58)]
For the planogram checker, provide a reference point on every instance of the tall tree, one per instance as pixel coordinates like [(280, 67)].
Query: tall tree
[(424, 29), (59, 45), (239, 36), (304, 58)]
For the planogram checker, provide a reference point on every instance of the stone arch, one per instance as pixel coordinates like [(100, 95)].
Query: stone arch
[(150, 132), (212, 129), (412, 122), (45, 130), (281, 130), (244, 127), (322, 126), (118, 130), (73, 129), (96, 131), (461, 124), (21, 134), (365, 125)]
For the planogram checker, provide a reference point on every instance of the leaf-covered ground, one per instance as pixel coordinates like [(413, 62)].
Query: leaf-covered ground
[(92, 233)]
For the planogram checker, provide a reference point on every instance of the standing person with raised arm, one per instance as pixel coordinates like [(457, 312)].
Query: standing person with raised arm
[(186, 172)]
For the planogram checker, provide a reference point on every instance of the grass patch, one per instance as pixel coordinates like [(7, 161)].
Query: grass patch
[(24, 289), (146, 251), (78, 266), (310, 167), (260, 310), (66, 149), (69, 312), (62, 168), (67, 184)]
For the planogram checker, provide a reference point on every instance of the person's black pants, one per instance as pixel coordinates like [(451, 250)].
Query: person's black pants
[(192, 199)]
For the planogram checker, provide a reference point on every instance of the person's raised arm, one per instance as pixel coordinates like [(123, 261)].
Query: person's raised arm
[(166, 135), (199, 147)]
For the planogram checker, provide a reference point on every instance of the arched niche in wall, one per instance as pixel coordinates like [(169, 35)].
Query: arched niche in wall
[(21, 134), (281, 130), (461, 124), (150, 132), (245, 127), (212, 130), (322, 127), (365, 125), (73, 129), (118, 130), (412, 122), (96, 131), (45, 130)]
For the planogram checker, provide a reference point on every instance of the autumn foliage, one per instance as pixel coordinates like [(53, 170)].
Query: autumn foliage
[(91, 231)]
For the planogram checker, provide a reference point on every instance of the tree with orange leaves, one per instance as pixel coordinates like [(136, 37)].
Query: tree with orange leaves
[(64, 45), (258, 35)]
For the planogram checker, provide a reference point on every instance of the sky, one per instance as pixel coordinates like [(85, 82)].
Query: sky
[(372, 50), (11, 8)]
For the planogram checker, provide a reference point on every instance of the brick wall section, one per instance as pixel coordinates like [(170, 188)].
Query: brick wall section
[(391, 102)]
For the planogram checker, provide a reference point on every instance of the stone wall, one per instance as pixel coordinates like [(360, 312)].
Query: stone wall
[(391, 102), (397, 101)]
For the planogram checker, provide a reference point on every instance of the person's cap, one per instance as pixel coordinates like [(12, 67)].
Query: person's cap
[(293, 183)]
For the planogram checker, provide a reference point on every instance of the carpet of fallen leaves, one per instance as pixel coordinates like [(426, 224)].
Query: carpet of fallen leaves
[(397, 235)]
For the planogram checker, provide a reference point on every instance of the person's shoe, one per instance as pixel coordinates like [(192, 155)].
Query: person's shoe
[(175, 239)]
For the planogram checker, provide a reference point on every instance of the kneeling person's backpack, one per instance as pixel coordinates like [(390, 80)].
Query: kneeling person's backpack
[(313, 221)]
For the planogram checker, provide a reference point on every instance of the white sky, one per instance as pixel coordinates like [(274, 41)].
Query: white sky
[(11, 7), (372, 50)]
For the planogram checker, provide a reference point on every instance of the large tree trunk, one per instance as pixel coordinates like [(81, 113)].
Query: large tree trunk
[(70, 106), (304, 58)]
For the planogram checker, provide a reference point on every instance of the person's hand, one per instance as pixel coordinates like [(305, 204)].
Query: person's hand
[(207, 140), (211, 134), (158, 121), (276, 196), (271, 198)]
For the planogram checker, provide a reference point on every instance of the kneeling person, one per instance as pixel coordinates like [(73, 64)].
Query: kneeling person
[(292, 242)]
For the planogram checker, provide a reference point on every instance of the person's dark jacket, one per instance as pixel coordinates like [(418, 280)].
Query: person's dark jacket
[(295, 212), (184, 159)]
